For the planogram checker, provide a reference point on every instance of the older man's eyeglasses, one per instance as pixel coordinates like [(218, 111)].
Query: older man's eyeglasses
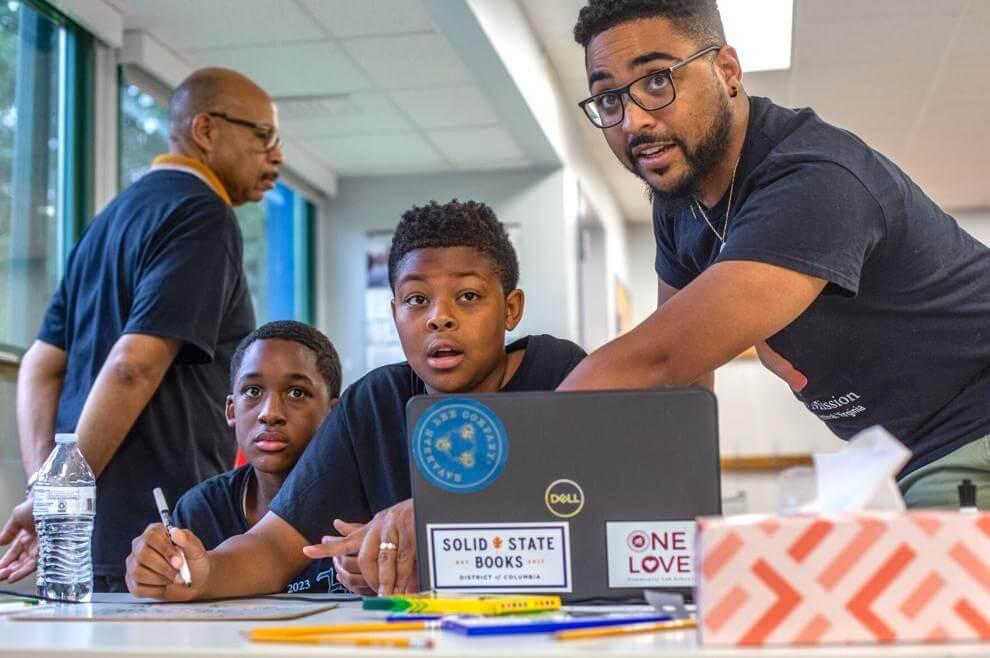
[(651, 92), (266, 132)]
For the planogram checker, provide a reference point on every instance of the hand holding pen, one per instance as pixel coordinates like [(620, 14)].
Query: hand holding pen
[(159, 557), (166, 517)]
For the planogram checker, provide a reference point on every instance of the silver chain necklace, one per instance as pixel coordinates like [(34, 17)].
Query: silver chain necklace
[(728, 207)]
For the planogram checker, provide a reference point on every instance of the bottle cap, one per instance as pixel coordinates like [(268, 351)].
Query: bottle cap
[(967, 494), (66, 438)]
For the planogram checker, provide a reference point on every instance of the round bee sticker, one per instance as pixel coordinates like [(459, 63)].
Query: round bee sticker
[(460, 445)]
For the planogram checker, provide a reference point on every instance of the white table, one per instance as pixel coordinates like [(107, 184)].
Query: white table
[(34, 639)]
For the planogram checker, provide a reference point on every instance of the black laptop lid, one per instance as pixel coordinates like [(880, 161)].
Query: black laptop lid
[(589, 494)]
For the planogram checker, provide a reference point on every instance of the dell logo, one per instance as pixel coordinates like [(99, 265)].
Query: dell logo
[(564, 498)]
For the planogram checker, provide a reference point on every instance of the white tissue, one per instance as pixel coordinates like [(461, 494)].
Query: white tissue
[(861, 476)]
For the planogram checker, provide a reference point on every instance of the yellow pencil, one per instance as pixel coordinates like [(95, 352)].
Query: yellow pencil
[(630, 629), (363, 627), (352, 640)]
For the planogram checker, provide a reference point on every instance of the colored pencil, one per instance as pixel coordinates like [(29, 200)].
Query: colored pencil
[(352, 640), (505, 605), (631, 629), (329, 629)]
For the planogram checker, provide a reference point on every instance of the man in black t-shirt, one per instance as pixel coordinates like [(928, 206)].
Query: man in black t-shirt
[(134, 350), (284, 379), (776, 229), (454, 276)]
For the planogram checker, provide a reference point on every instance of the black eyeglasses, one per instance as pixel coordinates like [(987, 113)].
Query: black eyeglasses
[(266, 132), (651, 92)]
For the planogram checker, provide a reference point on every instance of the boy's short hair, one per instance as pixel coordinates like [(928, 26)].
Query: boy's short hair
[(327, 360), (699, 20), (455, 224)]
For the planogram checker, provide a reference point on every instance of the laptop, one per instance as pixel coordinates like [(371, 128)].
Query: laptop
[(590, 495)]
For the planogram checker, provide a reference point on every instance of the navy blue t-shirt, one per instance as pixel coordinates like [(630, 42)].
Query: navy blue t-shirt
[(358, 463), (214, 512), (900, 336), (165, 259)]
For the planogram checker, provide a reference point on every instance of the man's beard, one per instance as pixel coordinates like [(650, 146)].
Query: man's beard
[(699, 161)]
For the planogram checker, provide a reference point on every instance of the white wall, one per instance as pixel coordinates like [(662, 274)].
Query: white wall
[(506, 28), (540, 202), (597, 326)]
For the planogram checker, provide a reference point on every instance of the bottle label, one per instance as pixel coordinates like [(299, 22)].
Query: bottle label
[(73, 501)]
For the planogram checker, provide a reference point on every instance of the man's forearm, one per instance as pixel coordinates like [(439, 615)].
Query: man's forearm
[(623, 364), (127, 381), (36, 426), (113, 405), (39, 385)]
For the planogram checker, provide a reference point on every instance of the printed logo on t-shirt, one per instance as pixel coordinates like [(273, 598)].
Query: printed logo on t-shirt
[(833, 408), (326, 581), (838, 406), (460, 445)]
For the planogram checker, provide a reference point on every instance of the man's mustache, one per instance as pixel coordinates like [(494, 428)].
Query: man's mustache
[(639, 140)]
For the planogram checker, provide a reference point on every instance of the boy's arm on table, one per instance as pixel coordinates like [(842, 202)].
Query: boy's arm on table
[(261, 561)]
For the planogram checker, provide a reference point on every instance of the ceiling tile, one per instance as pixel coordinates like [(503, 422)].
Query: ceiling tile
[(290, 69), (871, 44), (364, 154), (211, 23), (963, 79), (445, 107), (847, 11), (360, 18), (360, 114), (972, 38), (408, 61), (468, 147)]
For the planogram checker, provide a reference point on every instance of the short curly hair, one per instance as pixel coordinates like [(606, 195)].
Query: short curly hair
[(699, 20), (455, 224), (327, 359)]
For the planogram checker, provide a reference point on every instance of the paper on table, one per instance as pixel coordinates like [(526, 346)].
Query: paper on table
[(240, 610), (861, 475)]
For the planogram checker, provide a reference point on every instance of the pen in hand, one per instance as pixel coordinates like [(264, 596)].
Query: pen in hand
[(166, 516)]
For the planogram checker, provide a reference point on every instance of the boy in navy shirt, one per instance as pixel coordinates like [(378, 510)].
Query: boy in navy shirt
[(284, 379), (454, 275)]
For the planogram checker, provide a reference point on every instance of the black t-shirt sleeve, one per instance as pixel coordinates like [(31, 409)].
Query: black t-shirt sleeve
[(325, 483), (186, 280), (667, 265), (571, 356), (194, 512), (815, 218), (210, 509), (53, 325)]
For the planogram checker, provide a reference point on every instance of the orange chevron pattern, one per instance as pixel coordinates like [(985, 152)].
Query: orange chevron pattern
[(872, 577)]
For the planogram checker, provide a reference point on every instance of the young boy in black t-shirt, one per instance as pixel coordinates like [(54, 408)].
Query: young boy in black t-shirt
[(454, 276), (284, 378)]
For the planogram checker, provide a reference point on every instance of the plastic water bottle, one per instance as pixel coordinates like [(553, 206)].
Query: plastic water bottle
[(64, 509)]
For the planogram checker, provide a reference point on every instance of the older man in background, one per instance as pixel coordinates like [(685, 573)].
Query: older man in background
[(134, 350)]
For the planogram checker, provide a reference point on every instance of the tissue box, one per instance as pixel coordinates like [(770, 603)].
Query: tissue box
[(865, 577)]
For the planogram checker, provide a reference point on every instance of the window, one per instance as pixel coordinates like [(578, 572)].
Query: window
[(278, 254), (277, 232), (143, 124), (32, 49)]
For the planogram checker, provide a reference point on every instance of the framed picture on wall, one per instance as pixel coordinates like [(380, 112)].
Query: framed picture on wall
[(381, 345)]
